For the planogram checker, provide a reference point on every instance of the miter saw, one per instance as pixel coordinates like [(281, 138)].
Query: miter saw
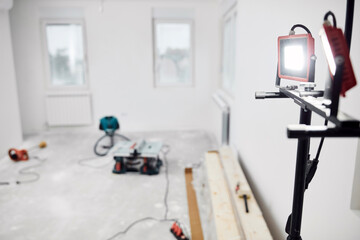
[(137, 156)]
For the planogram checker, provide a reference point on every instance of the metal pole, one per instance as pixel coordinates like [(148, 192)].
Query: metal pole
[(349, 21), (337, 85), (299, 185)]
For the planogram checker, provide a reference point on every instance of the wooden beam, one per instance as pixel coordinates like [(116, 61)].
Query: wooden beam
[(224, 217), (252, 224), (195, 222)]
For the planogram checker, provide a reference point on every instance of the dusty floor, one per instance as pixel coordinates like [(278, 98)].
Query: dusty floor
[(72, 201)]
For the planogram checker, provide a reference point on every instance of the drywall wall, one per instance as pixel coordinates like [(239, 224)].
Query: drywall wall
[(355, 198), (10, 126), (120, 64), (259, 126)]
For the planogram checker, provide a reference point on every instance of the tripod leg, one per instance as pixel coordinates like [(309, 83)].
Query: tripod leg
[(299, 185)]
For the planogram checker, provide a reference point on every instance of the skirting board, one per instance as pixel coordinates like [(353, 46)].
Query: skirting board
[(224, 168)]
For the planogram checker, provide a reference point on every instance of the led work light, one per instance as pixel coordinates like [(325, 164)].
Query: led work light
[(335, 47), (295, 53)]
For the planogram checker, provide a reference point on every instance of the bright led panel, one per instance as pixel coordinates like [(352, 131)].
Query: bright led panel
[(294, 53)]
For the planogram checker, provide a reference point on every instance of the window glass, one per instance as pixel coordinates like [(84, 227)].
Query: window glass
[(66, 54), (173, 57)]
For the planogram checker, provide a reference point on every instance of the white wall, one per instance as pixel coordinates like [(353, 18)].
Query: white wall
[(259, 126), (120, 57), (10, 126)]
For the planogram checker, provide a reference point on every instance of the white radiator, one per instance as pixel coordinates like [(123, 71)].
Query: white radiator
[(68, 109), (225, 108)]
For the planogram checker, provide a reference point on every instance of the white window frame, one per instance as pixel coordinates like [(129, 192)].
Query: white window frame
[(192, 59), (47, 71), (229, 15)]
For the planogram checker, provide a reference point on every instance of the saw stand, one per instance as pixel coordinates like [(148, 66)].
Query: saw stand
[(308, 100)]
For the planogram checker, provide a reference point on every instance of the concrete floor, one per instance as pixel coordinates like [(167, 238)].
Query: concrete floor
[(71, 201)]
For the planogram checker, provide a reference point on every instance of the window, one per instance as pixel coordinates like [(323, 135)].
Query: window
[(65, 54), (229, 51), (173, 52)]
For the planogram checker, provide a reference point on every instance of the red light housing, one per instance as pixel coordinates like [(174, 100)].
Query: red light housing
[(334, 44), (294, 56)]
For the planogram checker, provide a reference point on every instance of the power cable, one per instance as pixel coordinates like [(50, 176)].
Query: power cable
[(321, 143), (107, 148), (165, 152), (329, 13), (82, 162), (25, 171), (312, 165), (301, 26)]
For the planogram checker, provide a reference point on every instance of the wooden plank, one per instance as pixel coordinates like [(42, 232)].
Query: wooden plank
[(252, 224), (225, 221), (195, 222)]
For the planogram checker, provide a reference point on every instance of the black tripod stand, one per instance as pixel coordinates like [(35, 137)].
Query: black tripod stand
[(345, 126)]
